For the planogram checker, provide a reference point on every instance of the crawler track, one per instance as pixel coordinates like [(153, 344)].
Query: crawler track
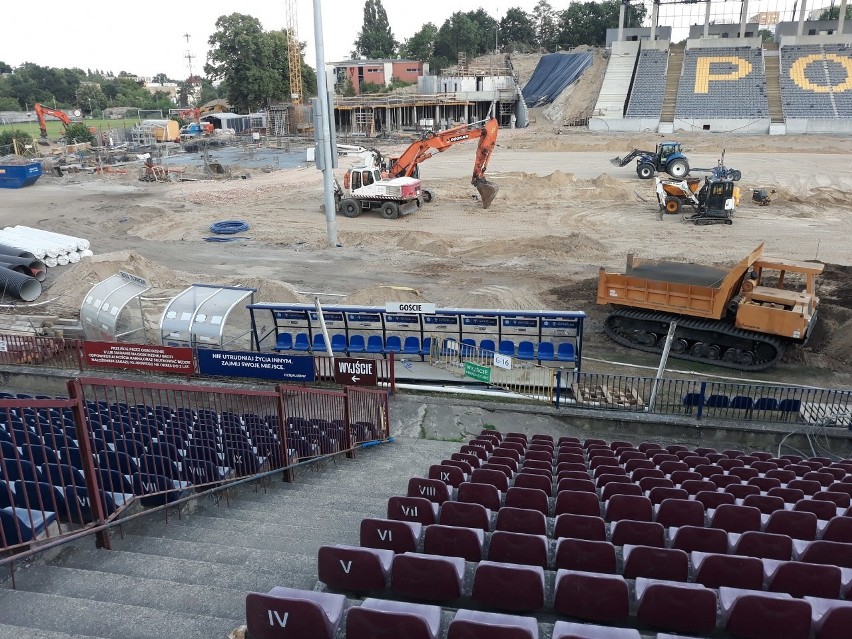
[(711, 342)]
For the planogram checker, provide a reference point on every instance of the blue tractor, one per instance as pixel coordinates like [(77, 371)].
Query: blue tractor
[(667, 158)]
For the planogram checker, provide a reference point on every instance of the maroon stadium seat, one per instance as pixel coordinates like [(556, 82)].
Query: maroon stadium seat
[(833, 553), (466, 515), (475, 493), (508, 587), (668, 564), (580, 527), (763, 545), (399, 536), (417, 509), (799, 578), (383, 619), (638, 533), (764, 615), (447, 474), (714, 570), (526, 480), (288, 613), (492, 477), (518, 548), (432, 489), (714, 499), (838, 529), (692, 538), (529, 498), (591, 596), (657, 495), (629, 507), (522, 520), (353, 568), (472, 624), (766, 504), (796, 524), (427, 577), (585, 555), (568, 630), (680, 607), (736, 519), (673, 513), (824, 510), (831, 619), (577, 503), (454, 541)]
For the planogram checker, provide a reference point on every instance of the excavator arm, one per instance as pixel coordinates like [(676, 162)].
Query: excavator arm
[(635, 153), (485, 131), (41, 111)]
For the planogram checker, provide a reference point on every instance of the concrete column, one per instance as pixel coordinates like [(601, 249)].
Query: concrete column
[(707, 20), (842, 17), (802, 10), (416, 122), (655, 15), (466, 120), (621, 21), (744, 18)]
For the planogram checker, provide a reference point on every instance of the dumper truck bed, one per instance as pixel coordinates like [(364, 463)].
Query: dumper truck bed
[(679, 273)]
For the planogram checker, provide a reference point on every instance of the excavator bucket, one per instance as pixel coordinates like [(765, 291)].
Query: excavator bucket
[(487, 192), (616, 161)]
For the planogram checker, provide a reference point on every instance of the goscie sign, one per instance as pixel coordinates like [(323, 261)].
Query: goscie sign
[(421, 308)]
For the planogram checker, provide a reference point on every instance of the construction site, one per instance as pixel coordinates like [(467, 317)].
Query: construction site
[(636, 252)]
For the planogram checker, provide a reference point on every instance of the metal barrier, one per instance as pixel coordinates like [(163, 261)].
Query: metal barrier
[(32, 350), (705, 399), (67, 466), (515, 375)]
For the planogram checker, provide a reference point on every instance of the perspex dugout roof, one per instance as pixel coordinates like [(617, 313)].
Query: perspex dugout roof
[(197, 316), (104, 302)]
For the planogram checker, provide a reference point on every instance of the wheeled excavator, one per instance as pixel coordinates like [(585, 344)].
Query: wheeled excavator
[(738, 318), (392, 185)]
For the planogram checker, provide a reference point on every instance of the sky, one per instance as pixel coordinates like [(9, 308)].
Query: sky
[(146, 39)]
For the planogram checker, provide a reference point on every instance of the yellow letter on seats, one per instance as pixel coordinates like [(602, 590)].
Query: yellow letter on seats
[(703, 77)]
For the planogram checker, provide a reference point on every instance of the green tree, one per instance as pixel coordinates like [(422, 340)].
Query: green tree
[(79, 132), (7, 136), (766, 35), (243, 56), (517, 30), (544, 20), (375, 40), (458, 33), (486, 27), (9, 104), (160, 78), (5, 68), (90, 96), (420, 46), (371, 87), (587, 22), (833, 13)]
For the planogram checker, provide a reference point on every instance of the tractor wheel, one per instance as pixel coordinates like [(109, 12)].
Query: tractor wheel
[(736, 176), (645, 171), (350, 207), (672, 205), (390, 210), (678, 168), (427, 196)]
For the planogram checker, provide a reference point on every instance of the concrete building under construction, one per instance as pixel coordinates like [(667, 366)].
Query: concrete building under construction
[(459, 94)]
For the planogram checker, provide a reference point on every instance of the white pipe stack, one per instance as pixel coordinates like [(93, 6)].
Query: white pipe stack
[(53, 248)]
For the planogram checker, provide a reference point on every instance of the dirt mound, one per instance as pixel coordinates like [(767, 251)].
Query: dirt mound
[(524, 250), (832, 333), (378, 295)]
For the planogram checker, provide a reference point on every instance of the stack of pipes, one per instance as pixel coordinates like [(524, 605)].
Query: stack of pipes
[(26, 253)]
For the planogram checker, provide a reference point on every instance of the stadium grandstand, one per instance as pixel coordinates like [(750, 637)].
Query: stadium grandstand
[(765, 66)]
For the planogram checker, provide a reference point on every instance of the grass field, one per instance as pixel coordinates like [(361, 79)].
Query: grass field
[(55, 128)]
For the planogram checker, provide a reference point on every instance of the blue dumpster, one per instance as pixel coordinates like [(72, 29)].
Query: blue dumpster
[(14, 176)]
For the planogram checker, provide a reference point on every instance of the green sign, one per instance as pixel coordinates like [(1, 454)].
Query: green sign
[(477, 372)]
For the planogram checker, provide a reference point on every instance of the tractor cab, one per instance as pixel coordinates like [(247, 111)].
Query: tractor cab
[(665, 150)]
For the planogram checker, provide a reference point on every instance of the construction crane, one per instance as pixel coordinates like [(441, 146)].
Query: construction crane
[(294, 53)]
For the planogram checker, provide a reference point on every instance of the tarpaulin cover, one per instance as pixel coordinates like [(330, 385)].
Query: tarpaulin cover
[(554, 72)]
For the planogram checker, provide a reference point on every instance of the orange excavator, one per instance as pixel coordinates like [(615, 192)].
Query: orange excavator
[(41, 111), (406, 165)]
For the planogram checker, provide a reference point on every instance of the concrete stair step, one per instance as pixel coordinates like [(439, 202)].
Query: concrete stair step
[(258, 574), (17, 632), (154, 594), (253, 542), (225, 555), (85, 617)]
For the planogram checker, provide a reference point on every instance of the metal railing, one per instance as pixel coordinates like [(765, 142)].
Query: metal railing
[(706, 399), (70, 467)]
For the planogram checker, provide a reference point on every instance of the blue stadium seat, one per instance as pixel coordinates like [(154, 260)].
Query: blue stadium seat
[(20, 526), (718, 401), (565, 352), (319, 343), (338, 343), (507, 347), (411, 346), (375, 344), (742, 402), (468, 347), (356, 344), (545, 352), (284, 342), (426, 347), (766, 403), (526, 350), (393, 344), (301, 343), (488, 345)]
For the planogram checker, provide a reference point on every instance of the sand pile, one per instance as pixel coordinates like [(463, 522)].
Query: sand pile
[(378, 295)]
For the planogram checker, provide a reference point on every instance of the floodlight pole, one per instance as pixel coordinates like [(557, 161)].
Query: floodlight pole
[(324, 137)]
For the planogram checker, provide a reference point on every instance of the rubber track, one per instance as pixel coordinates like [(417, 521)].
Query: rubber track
[(711, 326)]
